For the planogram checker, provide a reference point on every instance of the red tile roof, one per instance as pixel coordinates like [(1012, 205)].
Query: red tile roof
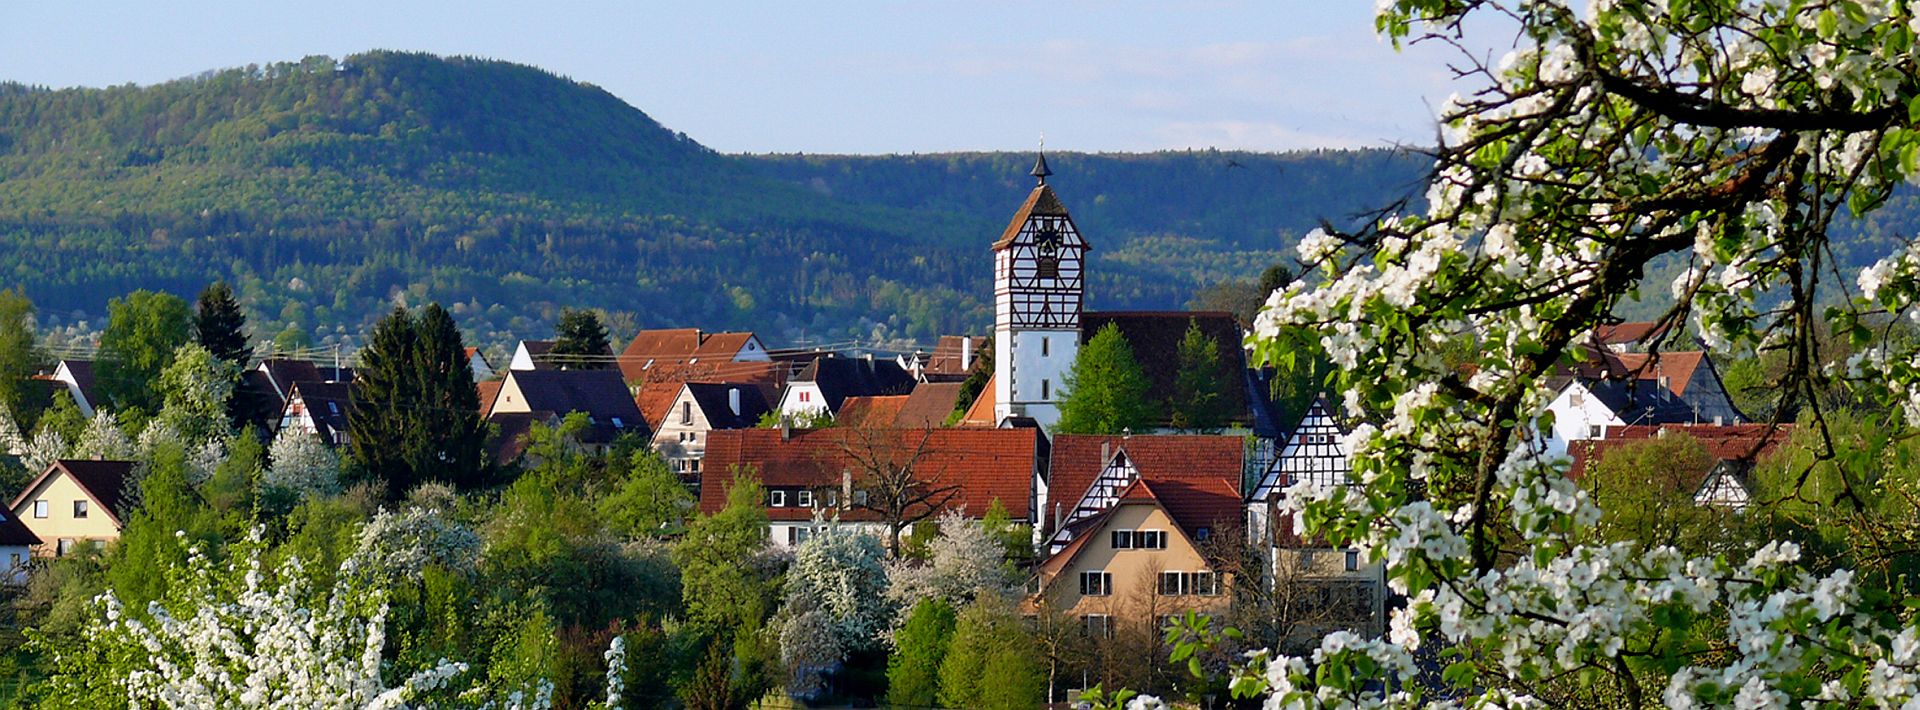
[(1192, 504), (1732, 442), (488, 390), (877, 412), (662, 352), (1677, 367), (1187, 457), (929, 406), (945, 359), (980, 413), (986, 464), (1626, 333)]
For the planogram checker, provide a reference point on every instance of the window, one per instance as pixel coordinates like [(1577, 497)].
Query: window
[(617, 424), (79, 509), (859, 497), (1205, 584), (1593, 431), (1150, 539), (1173, 584), (1043, 347), (1122, 539), (1353, 560), (806, 396), (804, 499), (833, 498), (39, 509), (13, 560), (1098, 625), (1046, 389), (64, 546), (1096, 584), (1306, 559), (686, 413), (1202, 534), (777, 499)]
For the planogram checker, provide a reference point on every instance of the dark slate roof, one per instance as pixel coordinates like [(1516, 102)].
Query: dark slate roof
[(714, 401), (104, 480), (14, 533), (327, 403), (842, 377), (83, 376), (601, 394), (255, 402), (1642, 401), (509, 438), (1155, 338)]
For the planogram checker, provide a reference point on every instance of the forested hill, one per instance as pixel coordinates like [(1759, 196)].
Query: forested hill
[(327, 190)]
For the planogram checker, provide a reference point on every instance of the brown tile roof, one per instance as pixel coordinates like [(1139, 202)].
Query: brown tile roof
[(104, 481), (1677, 367), (1192, 504), (1627, 333), (655, 398), (508, 440), (929, 405), (1042, 202), (1155, 338), (877, 412), (1732, 442), (668, 349), (945, 359), (1076, 461), (986, 464), (488, 391)]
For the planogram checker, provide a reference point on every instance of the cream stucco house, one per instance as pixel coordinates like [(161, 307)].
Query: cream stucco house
[(73, 503)]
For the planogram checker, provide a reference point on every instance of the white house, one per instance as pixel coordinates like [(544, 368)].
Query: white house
[(681, 437), (530, 355), (77, 375), (1316, 451), (16, 549)]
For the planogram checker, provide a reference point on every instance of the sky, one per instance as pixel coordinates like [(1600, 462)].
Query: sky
[(842, 76)]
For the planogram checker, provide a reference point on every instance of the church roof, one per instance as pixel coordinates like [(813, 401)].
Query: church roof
[(1040, 203), (1155, 339)]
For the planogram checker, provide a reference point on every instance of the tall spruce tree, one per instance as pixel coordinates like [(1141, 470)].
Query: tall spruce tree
[(220, 326), (415, 414), (1197, 404), (580, 341), (1107, 392)]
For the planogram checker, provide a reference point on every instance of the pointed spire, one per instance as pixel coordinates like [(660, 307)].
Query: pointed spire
[(1040, 169)]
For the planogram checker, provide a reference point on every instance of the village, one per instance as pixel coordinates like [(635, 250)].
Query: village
[(1123, 529)]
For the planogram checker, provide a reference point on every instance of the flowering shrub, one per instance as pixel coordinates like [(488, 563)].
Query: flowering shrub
[(1725, 133), (303, 463)]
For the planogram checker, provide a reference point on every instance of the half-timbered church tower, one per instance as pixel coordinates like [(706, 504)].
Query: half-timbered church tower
[(1039, 290)]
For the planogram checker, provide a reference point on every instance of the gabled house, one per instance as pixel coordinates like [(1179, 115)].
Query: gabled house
[(319, 408), (824, 474), (264, 392), (1628, 337), (74, 502), (1088, 473), (1316, 451), (827, 383), (77, 375), (688, 355), (554, 394), (531, 355), (1143, 557), (952, 358), (16, 549), (1635, 389), (656, 394), (702, 407)]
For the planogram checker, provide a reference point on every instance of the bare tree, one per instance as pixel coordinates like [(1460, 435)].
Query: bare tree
[(897, 476)]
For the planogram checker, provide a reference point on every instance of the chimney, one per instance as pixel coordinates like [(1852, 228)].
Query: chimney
[(846, 485), (733, 400), (966, 353), (1106, 453), (786, 428), (1719, 420)]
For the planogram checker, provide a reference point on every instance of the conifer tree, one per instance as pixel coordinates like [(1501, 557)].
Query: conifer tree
[(1106, 390), (220, 326), (1197, 401), (580, 341), (415, 414)]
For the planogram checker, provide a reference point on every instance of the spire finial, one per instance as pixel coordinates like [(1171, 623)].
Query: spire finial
[(1040, 169)]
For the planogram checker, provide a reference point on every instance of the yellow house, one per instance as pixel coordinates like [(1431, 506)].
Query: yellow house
[(1140, 560), (73, 502)]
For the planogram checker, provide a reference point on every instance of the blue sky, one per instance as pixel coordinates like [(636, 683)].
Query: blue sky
[(842, 76)]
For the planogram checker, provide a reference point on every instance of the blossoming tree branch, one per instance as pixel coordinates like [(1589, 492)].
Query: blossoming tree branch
[(1614, 138)]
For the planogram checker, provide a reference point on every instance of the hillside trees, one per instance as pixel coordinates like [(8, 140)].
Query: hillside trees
[(1106, 392), (143, 331), (1728, 134), (416, 415)]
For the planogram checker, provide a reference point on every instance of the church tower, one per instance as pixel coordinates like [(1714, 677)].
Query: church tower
[(1038, 291)]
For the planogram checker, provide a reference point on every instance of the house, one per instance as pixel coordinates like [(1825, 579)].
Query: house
[(930, 405), (1316, 587), (1628, 337), (1143, 557), (77, 375), (817, 477), (17, 544), (74, 502), (655, 395), (477, 361), (687, 354), (1733, 450), (1087, 474), (531, 355), (319, 408), (952, 358), (827, 383), (871, 412), (702, 407), (264, 391), (554, 394), (1622, 389)]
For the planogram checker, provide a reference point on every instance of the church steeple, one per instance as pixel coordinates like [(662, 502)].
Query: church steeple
[(1039, 291), (1040, 169)]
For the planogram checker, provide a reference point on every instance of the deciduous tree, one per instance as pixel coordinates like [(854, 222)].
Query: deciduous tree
[(1106, 392), (143, 332)]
